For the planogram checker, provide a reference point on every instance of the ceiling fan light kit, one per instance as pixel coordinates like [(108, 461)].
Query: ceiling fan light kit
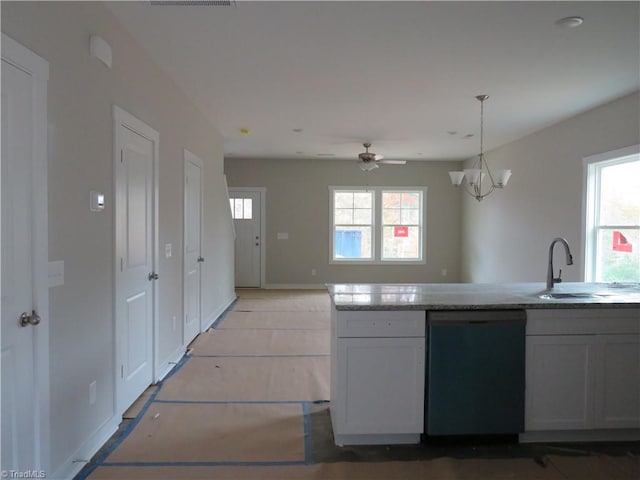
[(476, 177), (370, 161)]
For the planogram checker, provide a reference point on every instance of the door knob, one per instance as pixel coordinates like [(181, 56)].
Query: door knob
[(200, 259), (29, 319), (153, 276)]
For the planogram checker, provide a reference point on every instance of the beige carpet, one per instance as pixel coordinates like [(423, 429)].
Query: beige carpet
[(262, 342)]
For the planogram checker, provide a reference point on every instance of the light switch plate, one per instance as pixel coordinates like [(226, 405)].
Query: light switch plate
[(283, 236), (167, 250), (97, 201)]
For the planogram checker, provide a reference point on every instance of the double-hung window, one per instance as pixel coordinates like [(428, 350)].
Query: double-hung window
[(377, 224), (612, 233)]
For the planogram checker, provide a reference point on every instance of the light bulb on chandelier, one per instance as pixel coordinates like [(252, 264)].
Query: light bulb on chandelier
[(476, 176)]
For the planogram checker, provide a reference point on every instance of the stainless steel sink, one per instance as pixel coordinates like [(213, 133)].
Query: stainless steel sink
[(564, 296)]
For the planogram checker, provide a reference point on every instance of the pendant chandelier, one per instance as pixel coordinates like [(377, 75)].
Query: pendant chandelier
[(478, 181)]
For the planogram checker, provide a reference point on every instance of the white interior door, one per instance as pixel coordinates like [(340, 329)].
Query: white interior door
[(246, 208), (136, 158), (192, 245), (25, 377)]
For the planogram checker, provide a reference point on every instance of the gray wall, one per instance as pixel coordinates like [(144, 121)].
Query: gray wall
[(81, 92), (506, 237), (297, 202)]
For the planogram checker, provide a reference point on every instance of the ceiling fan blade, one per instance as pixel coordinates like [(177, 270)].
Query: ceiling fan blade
[(377, 157), (393, 162)]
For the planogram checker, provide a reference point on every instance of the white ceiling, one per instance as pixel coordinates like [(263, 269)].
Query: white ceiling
[(402, 75)]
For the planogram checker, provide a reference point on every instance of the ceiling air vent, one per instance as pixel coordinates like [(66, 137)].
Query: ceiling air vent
[(195, 3)]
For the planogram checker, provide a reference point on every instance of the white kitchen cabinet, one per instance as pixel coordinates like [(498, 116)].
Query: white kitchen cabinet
[(559, 382), (617, 392), (582, 371), (378, 373)]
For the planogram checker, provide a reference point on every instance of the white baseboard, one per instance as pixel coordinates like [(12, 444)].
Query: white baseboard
[(169, 364), (214, 316), (295, 286), (76, 462)]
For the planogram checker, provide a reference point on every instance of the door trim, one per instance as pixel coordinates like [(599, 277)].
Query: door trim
[(263, 229), (190, 157), (27, 61), (124, 118)]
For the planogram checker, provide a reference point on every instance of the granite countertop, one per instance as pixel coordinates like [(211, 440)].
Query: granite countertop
[(479, 296)]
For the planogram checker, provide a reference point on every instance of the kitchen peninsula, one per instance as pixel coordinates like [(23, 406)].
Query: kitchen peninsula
[(580, 359)]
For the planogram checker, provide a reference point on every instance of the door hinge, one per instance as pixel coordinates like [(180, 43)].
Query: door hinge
[(121, 371), (121, 264), (121, 156)]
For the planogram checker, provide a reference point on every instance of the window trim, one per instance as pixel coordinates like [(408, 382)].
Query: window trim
[(591, 202), (377, 230)]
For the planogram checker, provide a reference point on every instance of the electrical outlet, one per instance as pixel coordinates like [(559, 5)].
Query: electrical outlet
[(313, 272), (92, 392), (444, 272), (175, 323)]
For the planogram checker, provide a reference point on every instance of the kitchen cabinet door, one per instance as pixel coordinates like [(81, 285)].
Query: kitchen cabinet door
[(617, 402), (559, 382), (380, 386)]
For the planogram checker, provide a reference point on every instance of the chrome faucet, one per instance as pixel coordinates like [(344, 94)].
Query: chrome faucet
[(550, 278)]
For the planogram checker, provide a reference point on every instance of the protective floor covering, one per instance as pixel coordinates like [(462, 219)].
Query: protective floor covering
[(276, 320), (200, 432), (438, 469), (134, 410), (248, 411), (262, 342), (306, 303), (267, 379)]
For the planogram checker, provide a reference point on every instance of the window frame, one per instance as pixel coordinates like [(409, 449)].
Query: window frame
[(593, 167), (377, 226)]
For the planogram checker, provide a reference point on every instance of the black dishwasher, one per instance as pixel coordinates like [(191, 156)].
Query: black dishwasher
[(475, 372)]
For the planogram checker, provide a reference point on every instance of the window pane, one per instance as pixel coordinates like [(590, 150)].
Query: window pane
[(352, 242), (391, 199), (391, 216), (401, 243), (410, 200), (237, 208), (618, 255), (343, 216), (362, 216), (619, 197), (362, 199), (343, 200), (231, 203), (247, 210), (410, 217)]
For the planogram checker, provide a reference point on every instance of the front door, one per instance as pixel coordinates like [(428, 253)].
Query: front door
[(192, 245), (25, 367), (246, 212), (136, 158)]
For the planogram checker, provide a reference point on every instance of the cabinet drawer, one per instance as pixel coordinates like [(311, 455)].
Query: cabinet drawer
[(393, 323), (583, 321)]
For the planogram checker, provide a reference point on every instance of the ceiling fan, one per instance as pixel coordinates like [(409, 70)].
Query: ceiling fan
[(369, 160)]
